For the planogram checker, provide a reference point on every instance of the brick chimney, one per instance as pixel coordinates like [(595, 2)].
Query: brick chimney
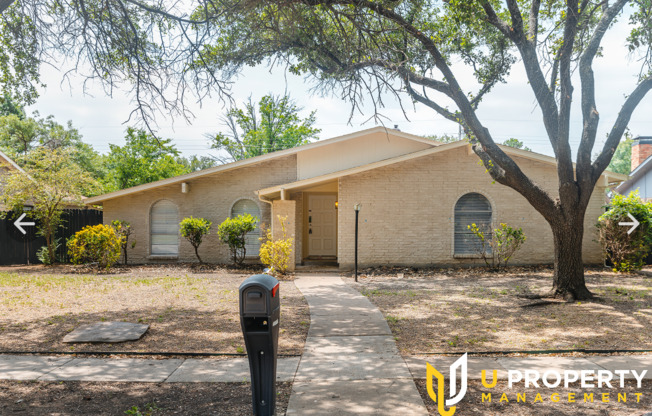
[(641, 150)]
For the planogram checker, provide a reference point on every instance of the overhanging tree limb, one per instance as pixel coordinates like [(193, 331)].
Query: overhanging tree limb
[(589, 109), (602, 161)]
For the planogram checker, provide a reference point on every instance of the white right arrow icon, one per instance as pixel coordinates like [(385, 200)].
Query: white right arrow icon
[(19, 224), (633, 224)]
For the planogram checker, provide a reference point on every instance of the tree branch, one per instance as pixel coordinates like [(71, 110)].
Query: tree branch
[(534, 21), (619, 127), (589, 111), (564, 158), (544, 96)]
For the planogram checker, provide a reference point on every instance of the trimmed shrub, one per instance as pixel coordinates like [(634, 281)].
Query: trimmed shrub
[(233, 231), (627, 252), (95, 244), (194, 230), (276, 254), (497, 248)]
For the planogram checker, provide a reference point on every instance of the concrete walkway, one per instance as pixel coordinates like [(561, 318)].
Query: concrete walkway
[(350, 364), (34, 367)]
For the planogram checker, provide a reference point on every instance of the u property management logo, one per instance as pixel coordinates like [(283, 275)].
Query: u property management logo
[(455, 397)]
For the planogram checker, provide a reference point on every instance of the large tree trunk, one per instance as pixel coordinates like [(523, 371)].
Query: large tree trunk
[(568, 279)]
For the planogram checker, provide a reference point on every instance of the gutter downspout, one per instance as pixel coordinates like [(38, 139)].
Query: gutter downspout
[(263, 199)]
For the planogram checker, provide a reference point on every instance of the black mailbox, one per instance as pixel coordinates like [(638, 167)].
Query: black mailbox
[(260, 310)]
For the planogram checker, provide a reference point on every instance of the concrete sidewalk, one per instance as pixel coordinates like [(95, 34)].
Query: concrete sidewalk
[(350, 364), (32, 367)]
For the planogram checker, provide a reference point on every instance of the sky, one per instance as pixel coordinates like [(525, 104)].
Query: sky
[(508, 111)]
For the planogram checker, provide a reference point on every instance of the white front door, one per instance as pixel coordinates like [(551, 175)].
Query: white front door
[(322, 225)]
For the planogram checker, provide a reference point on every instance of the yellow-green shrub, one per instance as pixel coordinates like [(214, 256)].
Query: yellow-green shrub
[(276, 254), (95, 244)]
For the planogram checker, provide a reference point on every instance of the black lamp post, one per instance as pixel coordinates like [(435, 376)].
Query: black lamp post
[(356, 207)]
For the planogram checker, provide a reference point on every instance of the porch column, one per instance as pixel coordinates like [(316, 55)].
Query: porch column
[(285, 208)]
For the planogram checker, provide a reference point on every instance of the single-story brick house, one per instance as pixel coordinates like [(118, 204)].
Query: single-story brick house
[(417, 197)]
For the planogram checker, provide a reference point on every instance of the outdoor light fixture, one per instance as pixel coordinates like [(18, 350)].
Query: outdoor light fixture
[(184, 188), (356, 207), (336, 204)]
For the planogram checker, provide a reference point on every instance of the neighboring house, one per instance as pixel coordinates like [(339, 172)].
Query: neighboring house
[(417, 196), (640, 177)]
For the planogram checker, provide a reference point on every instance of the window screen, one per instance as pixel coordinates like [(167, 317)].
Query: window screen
[(247, 206), (164, 229), (472, 208)]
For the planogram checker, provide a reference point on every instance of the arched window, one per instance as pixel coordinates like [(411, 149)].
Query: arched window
[(247, 206), (472, 208), (164, 229)]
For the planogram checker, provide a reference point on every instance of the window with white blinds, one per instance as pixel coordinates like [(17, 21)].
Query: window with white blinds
[(472, 208), (164, 229), (247, 206)]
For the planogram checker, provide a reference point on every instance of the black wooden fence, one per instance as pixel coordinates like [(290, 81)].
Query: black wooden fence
[(16, 248)]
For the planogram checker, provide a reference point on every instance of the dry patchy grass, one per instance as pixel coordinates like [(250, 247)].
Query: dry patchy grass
[(188, 311), (472, 310)]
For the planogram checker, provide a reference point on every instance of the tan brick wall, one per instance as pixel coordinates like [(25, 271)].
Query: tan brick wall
[(210, 197), (407, 211)]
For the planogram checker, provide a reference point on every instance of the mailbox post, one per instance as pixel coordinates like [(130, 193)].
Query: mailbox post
[(260, 310)]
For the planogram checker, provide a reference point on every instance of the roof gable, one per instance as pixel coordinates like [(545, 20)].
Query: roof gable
[(266, 157)]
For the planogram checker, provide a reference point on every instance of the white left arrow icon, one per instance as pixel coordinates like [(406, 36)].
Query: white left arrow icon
[(633, 224), (19, 224)]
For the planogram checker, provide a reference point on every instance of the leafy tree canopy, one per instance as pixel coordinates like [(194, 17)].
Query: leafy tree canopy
[(142, 159), (273, 124), (516, 143), (52, 183), (9, 106), (621, 162), (19, 135)]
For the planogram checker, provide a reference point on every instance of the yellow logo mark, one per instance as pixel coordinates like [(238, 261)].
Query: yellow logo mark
[(431, 373), (493, 382)]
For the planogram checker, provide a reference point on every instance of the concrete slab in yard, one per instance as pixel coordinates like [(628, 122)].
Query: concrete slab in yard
[(379, 344), (232, 370), (107, 332), (28, 367), (417, 366), (100, 369), (361, 397)]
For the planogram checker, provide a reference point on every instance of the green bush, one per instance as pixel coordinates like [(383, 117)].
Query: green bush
[(95, 244), (497, 247), (123, 229), (43, 254), (233, 231), (194, 230), (627, 252)]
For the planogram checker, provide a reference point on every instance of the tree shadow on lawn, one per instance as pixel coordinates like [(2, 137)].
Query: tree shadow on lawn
[(477, 318), (171, 330)]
